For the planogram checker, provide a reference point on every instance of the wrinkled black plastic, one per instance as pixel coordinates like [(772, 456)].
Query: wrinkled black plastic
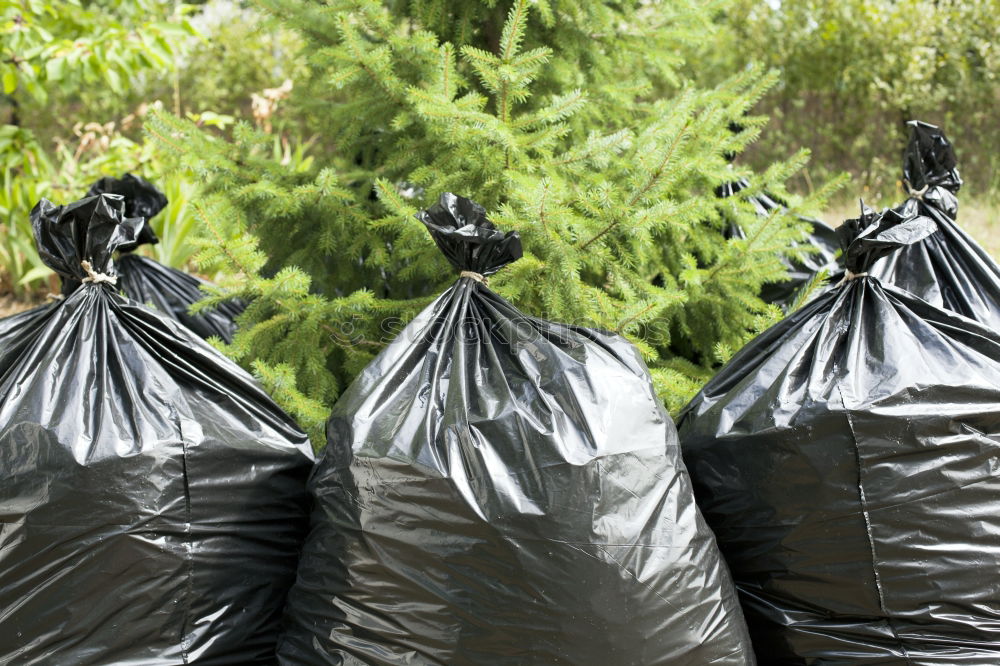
[(848, 460), (142, 199), (929, 159), (502, 490), (153, 497), (11, 324), (822, 241), (949, 268), (872, 236), (173, 292), (147, 281), (90, 229), (467, 238)]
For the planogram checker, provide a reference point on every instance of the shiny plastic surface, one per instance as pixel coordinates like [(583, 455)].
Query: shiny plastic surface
[(848, 460), (11, 324), (502, 490), (822, 241), (929, 159), (153, 497), (173, 292), (142, 199), (949, 268), (149, 282)]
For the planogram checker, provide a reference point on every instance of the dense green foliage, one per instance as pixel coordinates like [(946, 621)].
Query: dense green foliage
[(598, 130), (853, 71), (78, 78), (60, 56), (571, 121)]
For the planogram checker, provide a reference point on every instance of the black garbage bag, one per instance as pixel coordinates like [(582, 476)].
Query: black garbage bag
[(822, 242), (153, 498), (173, 292), (147, 281), (142, 199), (11, 323), (949, 268), (848, 460), (498, 489)]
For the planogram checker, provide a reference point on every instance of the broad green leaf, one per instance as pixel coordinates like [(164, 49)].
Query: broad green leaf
[(114, 80), (36, 273), (55, 69), (9, 80)]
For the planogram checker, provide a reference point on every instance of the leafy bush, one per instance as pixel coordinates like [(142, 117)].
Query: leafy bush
[(853, 71), (22, 267), (65, 57), (571, 121), (59, 55), (243, 53), (79, 76)]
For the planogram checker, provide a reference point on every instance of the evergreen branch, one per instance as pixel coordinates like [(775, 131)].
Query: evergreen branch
[(447, 56), (389, 83), (149, 127), (805, 294), (513, 30), (562, 107), (224, 247), (661, 167), (651, 181), (541, 205), (611, 225), (221, 242), (621, 327), (607, 144), (510, 39), (486, 65), (747, 245), (388, 195)]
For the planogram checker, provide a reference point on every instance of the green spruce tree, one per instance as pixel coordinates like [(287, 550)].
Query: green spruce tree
[(569, 120)]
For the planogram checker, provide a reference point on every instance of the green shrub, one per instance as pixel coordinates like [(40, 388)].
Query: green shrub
[(78, 76), (571, 121), (852, 72)]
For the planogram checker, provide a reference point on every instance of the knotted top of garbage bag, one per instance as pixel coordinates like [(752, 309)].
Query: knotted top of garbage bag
[(468, 239), (142, 199), (929, 159), (78, 239), (872, 235)]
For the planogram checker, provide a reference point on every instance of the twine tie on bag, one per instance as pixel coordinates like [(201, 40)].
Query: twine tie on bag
[(97, 278), (849, 276), (916, 194), (478, 277)]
